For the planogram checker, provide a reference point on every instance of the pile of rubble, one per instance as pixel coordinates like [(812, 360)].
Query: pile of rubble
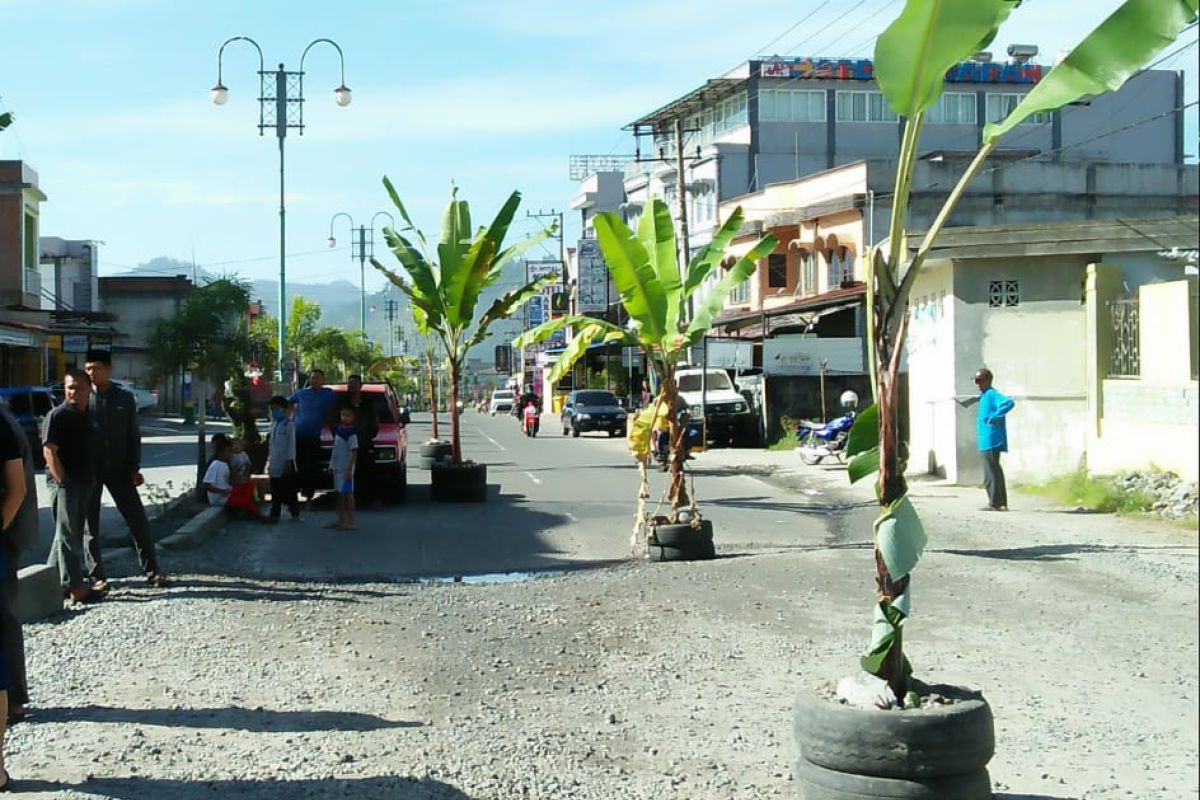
[(1171, 496)]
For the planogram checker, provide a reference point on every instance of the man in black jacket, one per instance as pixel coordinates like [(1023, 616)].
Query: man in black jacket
[(120, 471), (19, 510)]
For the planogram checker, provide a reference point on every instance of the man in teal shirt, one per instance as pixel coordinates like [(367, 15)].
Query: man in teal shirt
[(993, 438)]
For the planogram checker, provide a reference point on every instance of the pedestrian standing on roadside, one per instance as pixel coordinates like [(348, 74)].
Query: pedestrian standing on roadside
[(341, 468), (281, 459), (645, 396), (366, 427), (70, 441), (314, 407), (19, 512), (993, 438), (120, 472)]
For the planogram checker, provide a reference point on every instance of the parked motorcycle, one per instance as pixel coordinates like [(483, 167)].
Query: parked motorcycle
[(531, 421), (821, 440)]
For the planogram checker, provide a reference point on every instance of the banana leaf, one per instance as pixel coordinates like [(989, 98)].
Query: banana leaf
[(394, 195), (1103, 61), (928, 38), (901, 537), (860, 465), (656, 232), (641, 292), (714, 301), (712, 253), (864, 433)]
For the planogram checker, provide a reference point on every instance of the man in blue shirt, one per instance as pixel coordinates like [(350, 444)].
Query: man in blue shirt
[(993, 438), (314, 409)]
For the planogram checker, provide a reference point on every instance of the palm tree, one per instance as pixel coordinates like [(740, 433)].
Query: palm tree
[(656, 295), (445, 290)]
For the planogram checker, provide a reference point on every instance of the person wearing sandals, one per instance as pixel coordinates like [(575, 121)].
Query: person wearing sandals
[(69, 442), (120, 471), (19, 518)]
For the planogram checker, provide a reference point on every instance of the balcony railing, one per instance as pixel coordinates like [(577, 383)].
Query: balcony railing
[(1127, 352)]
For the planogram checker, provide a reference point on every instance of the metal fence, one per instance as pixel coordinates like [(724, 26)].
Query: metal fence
[(1127, 348)]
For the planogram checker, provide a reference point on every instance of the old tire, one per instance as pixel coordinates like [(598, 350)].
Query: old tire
[(929, 742), (459, 483), (683, 535), (694, 551), (435, 450), (819, 783)]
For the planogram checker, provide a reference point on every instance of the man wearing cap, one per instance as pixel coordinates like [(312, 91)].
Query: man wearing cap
[(993, 438), (120, 471)]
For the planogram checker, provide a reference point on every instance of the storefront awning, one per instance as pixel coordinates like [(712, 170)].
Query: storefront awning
[(757, 324)]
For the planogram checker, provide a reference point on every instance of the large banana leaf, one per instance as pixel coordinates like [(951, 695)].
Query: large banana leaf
[(901, 537), (395, 196), (745, 266), (550, 327), (515, 251), (456, 231), (656, 232), (1105, 59), (583, 339), (928, 38), (864, 433), (462, 290), (712, 253), (505, 306), (641, 292)]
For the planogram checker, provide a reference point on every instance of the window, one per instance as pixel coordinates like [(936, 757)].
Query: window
[(1000, 105), (954, 108), (807, 262), (777, 271), (863, 107), (1004, 294), (791, 105), (740, 294)]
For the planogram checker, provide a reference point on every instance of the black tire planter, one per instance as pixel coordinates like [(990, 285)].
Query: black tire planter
[(929, 742), (695, 551), (683, 535), (459, 483), (819, 783), (435, 450)]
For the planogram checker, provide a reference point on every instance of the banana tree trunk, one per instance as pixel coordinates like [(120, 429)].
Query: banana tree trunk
[(677, 435), (433, 398), (455, 441)]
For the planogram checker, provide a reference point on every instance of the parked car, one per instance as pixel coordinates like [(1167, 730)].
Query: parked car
[(731, 420), (391, 443), (501, 402), (29, 405), (592, 410)]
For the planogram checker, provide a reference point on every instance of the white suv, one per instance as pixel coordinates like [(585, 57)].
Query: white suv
[(502, 401)]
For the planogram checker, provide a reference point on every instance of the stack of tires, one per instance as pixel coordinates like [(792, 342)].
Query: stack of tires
[(436, 452), (936, 752), (682, 541)]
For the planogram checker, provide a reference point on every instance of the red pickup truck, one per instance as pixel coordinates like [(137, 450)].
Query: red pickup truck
[(391, 443)]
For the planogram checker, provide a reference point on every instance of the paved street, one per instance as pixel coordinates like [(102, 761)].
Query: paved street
[(296, 662)]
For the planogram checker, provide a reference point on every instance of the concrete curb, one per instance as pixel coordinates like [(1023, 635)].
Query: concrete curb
[(195, 530), (39, 594)]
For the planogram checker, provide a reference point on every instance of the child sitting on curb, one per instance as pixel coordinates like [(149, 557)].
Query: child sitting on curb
[(219, 485)]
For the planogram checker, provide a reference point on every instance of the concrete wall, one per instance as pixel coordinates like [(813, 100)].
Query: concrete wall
[(1152, 420), (1150, 142), (930, 347)]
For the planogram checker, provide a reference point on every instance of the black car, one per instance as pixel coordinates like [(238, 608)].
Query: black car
[(592, 410)]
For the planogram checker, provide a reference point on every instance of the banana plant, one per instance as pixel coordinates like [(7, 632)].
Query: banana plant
[(911, 58), (444, 288), (655, 293)]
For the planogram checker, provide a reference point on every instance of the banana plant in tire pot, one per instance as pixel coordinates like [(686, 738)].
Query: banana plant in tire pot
[(444, 288), (655, 293), (883, 733)]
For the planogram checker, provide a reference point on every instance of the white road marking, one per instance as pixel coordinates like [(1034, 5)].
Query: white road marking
[(534, 478), (490, 439)]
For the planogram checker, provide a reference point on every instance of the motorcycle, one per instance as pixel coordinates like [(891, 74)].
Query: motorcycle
[(530, 420), (821, 440)]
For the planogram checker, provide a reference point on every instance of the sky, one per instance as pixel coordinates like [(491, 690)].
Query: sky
[(114, 113)]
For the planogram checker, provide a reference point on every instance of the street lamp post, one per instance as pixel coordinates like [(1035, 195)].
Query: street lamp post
[(362, 247), (281, 106)]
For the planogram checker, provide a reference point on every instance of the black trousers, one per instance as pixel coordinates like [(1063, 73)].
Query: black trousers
[(365, 477), (993, 479), (308, 462), (283, 492), (129, 503), (13, 635)]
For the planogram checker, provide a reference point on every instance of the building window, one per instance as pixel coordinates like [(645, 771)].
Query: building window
[(807, 264), (740, 294), (791, 105), (954, 108), (863, 107), (1000, 105), (777, 271), (1004, 294)]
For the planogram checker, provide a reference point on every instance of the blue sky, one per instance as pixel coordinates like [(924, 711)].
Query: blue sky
[(114, 113)]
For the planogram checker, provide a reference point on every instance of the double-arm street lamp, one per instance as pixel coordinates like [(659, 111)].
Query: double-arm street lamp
[(362, 247), (281, 106)]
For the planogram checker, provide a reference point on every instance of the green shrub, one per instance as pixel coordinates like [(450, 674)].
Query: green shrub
[(1097, 493)]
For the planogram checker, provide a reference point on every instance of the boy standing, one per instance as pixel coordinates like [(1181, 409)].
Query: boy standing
[(281, 460), (341, 465)]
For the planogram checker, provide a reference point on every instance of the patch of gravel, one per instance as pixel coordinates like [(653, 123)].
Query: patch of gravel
[(1171, 496)]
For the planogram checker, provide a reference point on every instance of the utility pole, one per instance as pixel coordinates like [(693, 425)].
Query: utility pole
[(685, 255), (390, 306)]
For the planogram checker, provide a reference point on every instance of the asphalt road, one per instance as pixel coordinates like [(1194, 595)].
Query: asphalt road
[(168, 465), (556, 503)]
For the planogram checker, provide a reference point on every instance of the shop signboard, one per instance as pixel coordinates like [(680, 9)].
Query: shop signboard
[(593, 278)]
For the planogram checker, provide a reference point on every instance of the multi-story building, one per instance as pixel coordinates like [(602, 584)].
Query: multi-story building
[(22, 341), (68, 274), (138, 303)]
